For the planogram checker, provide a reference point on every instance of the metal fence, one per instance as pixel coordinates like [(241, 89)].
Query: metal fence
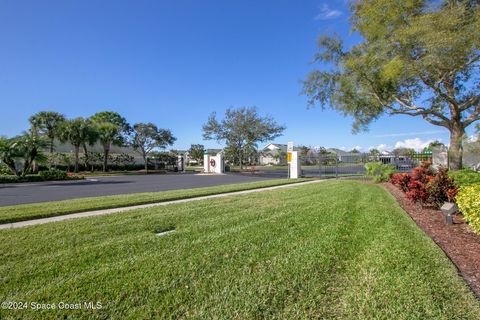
[(335, 166)]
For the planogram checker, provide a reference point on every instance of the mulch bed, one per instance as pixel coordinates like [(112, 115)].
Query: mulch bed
[(458, 241)]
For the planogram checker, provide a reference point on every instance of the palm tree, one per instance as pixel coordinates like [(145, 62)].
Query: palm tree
[(112, 129), (27, 147), (30, 147), (8, 154), (107, 134), (78, 132), (47, 123)]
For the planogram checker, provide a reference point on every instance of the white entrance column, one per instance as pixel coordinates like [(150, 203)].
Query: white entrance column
[(181, 163), (213, 164), (206, 163)]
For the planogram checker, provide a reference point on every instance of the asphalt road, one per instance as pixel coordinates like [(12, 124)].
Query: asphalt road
[(11, 194)]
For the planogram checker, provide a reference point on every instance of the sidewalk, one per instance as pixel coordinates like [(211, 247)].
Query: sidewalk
[(22, 224)]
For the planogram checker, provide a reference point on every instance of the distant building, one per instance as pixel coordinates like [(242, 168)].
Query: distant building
[(273, 154), (344, 156)]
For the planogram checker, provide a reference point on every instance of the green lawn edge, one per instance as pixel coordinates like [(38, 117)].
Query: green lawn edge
[(23, 212)]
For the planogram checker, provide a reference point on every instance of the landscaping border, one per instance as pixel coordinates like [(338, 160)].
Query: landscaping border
[(458, 241)]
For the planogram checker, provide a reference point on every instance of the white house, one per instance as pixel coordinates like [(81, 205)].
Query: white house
[(273, 154)]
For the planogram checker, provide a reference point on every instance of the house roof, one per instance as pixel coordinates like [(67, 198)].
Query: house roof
[(338, 151), (277, 146)]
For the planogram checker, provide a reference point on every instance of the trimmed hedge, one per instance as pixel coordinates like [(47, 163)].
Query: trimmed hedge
[(54, 175), (468, 200)]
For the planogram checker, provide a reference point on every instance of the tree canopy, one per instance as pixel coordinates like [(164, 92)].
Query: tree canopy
[(111, 128), (47, 123), (417, 58), (78, 132), (147, 137), (196, 152), (241, 129)]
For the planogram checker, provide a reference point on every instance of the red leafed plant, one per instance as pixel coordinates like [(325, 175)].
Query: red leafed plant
[(401, 180), (417, 191), (442, 188), (422, 174), (452, 194), (425, 186)]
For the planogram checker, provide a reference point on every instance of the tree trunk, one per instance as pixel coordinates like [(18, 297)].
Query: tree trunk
[(51, 153), (77, 151), (34, 167), (85, 153), (146, 162), (105, 159), (455, 152)]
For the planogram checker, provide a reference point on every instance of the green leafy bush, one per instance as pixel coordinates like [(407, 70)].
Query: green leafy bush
[(4, 170), (49, 175), (468, 200), (9, 179), (465, 177), (378, 171), (26, 178)]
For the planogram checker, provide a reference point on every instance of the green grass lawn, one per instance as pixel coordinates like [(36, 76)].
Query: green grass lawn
[(337, 249), (56, 208)]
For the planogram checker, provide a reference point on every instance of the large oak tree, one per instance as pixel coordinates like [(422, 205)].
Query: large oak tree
[(241, 129), (147, 137), (417, 58)]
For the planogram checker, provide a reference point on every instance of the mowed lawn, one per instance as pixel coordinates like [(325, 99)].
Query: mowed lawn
[(336, 249), (33, 211)]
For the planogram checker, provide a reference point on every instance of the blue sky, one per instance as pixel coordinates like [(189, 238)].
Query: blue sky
[(174, 62)]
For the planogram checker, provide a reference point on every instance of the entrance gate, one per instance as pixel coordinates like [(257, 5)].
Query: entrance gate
[(327, 166)]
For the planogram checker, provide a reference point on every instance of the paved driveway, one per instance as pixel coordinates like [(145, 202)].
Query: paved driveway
[(11, 194)]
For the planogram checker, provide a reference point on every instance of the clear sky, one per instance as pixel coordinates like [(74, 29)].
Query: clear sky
[(173, 62)]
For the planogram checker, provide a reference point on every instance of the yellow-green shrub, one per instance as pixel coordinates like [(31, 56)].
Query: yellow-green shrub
[(468, 200)]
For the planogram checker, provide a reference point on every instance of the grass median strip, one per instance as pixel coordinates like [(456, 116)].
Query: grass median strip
[(336, 250), (25, 212)]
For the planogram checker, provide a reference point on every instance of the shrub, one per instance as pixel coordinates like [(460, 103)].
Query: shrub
[(441, 188), (422, 174), (49, 175), (401, 180), (4, 170), (379, 172), (422, 185), (26, 178), (468, 200), (417, 191), (42, 176), (31, 178), (9, 179), (465, 177)]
